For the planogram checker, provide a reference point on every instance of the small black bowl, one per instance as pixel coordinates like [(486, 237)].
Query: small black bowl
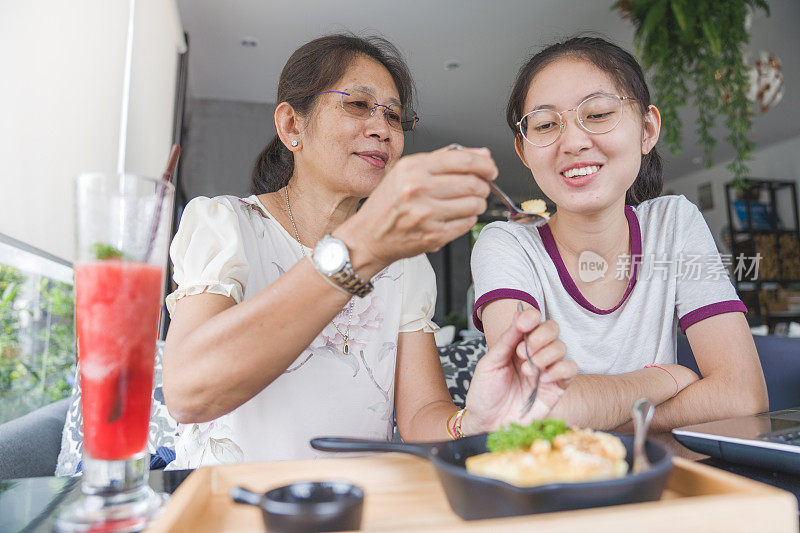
[(307, 506)]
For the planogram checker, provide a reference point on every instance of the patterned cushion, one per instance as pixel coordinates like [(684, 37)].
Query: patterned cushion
[(163, 428), (458, 362)]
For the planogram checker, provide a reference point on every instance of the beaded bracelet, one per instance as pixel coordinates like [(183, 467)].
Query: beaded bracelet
[(677, 387)]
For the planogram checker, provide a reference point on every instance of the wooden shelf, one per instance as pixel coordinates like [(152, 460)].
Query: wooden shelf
[(748, 240)]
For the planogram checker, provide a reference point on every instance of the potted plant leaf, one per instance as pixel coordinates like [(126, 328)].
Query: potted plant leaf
[(694, 49)]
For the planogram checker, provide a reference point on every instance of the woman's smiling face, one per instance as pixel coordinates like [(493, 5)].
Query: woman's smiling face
[(584, 172), (353, 153)]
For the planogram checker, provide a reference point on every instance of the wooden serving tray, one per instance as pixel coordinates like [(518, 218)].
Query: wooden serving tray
[(403, 493)]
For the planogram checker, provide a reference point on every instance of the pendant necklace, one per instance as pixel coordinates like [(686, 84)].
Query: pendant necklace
[(346, 334)]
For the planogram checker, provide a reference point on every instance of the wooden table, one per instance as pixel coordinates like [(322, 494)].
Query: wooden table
[(403, 493), (30, 504)]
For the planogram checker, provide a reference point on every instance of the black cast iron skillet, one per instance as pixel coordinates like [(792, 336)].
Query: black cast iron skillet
[(475, 497)]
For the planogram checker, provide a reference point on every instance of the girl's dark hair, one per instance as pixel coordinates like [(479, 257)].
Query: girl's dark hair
[(627, 75), (315, 67)]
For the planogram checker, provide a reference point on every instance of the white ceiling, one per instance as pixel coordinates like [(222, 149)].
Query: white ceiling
[(490, 39)]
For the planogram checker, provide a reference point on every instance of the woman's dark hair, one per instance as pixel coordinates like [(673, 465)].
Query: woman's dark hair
[(315, 67), (627, 75)]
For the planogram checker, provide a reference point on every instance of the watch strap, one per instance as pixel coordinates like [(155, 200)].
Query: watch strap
[(347, 278)]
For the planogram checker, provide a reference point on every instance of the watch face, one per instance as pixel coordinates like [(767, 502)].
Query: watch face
[(331, 256)]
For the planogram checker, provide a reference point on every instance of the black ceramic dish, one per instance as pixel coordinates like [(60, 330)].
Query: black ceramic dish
[(475, 497), (307, 506)]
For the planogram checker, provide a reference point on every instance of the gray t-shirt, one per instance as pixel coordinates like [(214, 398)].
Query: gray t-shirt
[(678, 278)]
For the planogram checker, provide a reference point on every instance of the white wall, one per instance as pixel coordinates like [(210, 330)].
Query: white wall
[(779, 161), (61, 77), (153, 84)]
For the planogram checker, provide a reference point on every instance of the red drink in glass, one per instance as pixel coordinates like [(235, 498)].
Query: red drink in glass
[(122, 233), (117, 306)]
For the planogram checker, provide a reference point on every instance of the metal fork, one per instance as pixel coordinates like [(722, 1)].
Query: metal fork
[(532, 398)]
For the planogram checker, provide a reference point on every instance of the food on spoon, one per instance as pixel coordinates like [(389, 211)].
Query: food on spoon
[(548, 451), (536, 207)]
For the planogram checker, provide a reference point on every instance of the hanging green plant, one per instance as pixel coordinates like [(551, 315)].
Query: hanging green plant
[(694, 48)]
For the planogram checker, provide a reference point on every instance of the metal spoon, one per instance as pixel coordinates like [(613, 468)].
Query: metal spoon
[(515, 214), (642, 413)]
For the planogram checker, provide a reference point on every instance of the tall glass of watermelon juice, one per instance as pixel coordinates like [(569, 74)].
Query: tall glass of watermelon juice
[(122, 234)]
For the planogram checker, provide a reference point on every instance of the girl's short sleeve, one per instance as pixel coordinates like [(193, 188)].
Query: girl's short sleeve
[(419, 296), (503, 268), (704, 288), (207, 253)]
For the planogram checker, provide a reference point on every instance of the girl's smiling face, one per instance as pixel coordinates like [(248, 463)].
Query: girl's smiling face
[(584, 172)]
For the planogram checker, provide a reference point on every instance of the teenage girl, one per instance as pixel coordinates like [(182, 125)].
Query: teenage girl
[(619, 268)]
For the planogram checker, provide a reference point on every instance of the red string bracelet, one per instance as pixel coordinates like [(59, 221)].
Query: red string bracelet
[(677, 387)]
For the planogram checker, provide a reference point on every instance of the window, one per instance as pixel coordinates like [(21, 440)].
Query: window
[(37, 332)]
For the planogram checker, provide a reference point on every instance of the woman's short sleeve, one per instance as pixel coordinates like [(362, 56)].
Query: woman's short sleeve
[(419, 296), (207, 253)]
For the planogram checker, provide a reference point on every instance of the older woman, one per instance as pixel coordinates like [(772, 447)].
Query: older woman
[(268, 346)]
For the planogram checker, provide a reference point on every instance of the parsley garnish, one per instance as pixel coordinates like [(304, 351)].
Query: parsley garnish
[(516, 436)]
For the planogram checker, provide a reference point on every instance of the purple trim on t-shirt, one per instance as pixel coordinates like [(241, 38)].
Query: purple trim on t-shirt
[(701, 313), (501, 294), (566, 280)]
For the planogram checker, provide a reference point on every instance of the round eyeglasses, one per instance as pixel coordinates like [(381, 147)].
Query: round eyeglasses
[(362, 105), (597, 114)]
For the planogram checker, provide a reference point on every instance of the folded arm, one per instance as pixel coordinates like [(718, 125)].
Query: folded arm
[(600, 402), (732, 384), (604, 402)]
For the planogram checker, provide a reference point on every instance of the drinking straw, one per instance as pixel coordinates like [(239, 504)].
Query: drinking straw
[(166, 177), (118, 406)]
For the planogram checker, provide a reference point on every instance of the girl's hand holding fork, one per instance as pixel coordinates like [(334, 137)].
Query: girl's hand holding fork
[(504, 379)]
